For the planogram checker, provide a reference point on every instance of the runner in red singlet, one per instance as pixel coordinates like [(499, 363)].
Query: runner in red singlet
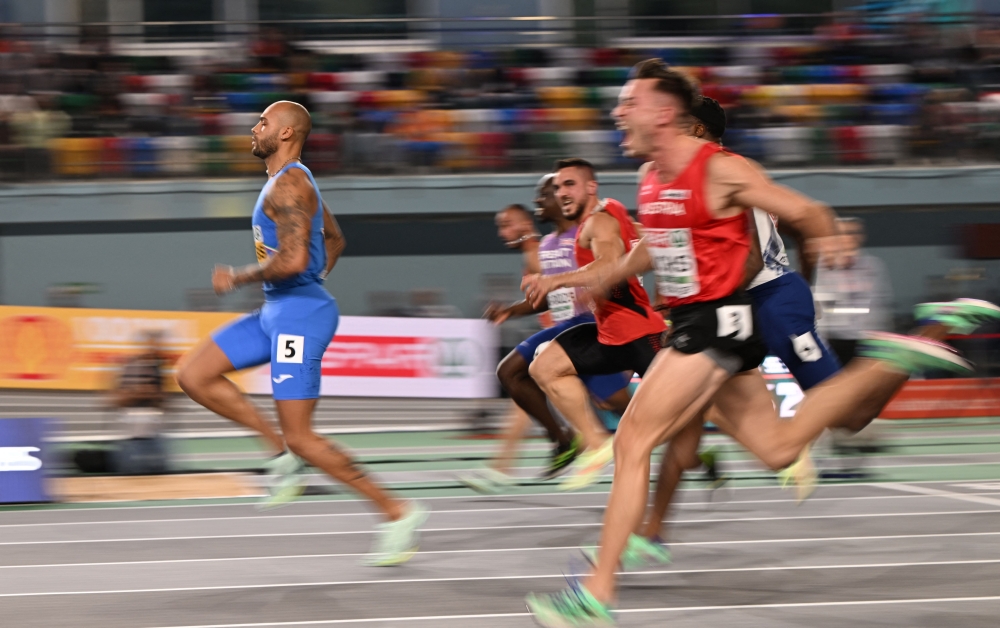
[(626, 335), (692, 205)]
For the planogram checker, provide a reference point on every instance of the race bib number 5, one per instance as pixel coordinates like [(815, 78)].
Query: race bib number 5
[(562, 304), (674, 262)]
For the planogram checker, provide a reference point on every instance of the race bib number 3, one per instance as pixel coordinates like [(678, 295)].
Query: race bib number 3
[(735, 321), (562, 304), (674, 262)]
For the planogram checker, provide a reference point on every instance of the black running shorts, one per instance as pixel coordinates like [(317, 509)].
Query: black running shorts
[(590, 357), (725, 328)]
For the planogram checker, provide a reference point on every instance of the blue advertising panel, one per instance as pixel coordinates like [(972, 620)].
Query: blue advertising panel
[(22, 460)]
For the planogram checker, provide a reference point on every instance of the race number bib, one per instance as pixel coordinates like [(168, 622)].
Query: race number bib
[(562, 304), (674, 263)]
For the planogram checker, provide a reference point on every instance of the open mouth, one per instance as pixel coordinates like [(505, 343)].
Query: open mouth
[(626, 134)]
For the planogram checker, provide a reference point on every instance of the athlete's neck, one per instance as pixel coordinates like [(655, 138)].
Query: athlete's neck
[(673, 153), (281, 158), (592, 203), (563, 225)]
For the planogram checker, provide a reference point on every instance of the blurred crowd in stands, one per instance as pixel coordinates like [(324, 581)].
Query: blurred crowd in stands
[(913, 92)]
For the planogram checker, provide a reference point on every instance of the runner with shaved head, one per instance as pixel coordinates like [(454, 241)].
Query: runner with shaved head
[(297, 242)]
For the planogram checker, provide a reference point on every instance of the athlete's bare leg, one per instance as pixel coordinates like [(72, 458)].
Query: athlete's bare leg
[(893, 381), (518, 423), (296, 424), (555, 374), (682, 451), (681, 455), (201, 374), (651, 418), (517, 381)]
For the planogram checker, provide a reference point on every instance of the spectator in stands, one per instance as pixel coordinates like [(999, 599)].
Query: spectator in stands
[(32, 130), (855, 299)]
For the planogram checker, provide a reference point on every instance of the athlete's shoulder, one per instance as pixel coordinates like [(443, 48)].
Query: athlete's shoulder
[(727, 165), (612, 206), (548, 238)]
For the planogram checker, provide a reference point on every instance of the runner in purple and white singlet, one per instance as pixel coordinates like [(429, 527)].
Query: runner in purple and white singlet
[(566, 308)]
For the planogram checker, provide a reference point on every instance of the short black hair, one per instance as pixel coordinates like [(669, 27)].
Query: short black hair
[(669, 81), (519, 208), (577, 162), (712, 115)]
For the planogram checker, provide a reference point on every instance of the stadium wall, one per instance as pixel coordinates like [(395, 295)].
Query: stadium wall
[(148, 244)]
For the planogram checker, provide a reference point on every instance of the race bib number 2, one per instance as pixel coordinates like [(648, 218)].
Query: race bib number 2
[(674, 262), (562, 304)]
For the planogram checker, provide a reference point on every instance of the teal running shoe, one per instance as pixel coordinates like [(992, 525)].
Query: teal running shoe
[(574, 607), (962, 316), (286, 482), (399, 540), (639, 552), (912, 353)]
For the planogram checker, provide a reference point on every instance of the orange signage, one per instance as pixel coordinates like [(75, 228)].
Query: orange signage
[(82, 349)]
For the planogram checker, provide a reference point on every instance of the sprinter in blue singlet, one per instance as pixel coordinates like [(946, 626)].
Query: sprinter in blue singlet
[(297, 242)]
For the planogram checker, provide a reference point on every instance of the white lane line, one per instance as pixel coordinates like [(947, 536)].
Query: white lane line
[(589, 524), (894, 537), (519, 509), (462, 551), (934, 492), (673, 609), (700, 505), (335, 500), (396, 581)]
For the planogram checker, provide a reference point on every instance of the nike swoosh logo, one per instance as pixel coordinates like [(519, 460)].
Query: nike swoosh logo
[(281, 378)]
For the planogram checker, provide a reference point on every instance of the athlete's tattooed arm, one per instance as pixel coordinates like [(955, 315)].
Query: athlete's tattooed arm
[(291, 204), (333, 239), (602, 235)]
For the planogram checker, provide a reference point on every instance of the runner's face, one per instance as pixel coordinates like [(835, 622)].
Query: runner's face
[(573, 190), (264, 136), (637, 113), (547, 208), (511, 228)]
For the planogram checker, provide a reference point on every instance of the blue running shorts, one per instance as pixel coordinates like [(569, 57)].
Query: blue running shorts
[(291, 331), (602, 386), (787, 320)]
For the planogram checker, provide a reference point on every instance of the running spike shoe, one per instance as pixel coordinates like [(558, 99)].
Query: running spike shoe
[(397, 541), (285, 480), (962, 316)]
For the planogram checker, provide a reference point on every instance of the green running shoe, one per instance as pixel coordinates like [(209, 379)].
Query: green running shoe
[(562, 457), (588, 466), (286, 482), (912, 353), (398, 541), (962, 316), (574, 607), (640, 552), (487, 481)]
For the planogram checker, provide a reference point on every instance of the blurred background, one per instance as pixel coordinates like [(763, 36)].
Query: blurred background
[(126, 173)]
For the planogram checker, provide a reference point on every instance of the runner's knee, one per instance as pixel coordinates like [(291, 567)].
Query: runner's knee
[(510, 370)]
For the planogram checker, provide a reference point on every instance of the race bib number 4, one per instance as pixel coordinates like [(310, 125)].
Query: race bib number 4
[(562, 304), (674, 263)]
